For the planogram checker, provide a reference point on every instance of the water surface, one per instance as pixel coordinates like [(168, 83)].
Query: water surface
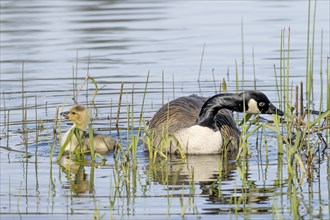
[(56, 43)]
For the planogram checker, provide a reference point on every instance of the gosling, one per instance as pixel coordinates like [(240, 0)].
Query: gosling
[(79, 115)]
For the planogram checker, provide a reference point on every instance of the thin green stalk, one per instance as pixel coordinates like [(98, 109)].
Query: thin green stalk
[(321, 78), (110, 116), (313, 46), (328, 98), (328, 82), (254, 72), (73, 87), (74, 79), (201, 64), (236, 76), (132, 110), (173, 84), (128, 118), (310, 77), (163, 92), (242, 48), (56, 124), (307, 47), (23, 119), (214, 82), (36, 118), (24, 115), (119, 105), (287, 71), (8, 128), (91, 141), (281, 69), (142, 106), (278, 92)]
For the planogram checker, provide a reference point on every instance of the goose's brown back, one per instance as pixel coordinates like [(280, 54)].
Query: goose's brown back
[(183, 112)]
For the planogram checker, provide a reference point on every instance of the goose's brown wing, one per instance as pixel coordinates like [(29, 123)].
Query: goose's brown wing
[(177, 114)]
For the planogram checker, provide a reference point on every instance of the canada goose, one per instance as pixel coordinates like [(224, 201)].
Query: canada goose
[(199, 125), (79, 115)]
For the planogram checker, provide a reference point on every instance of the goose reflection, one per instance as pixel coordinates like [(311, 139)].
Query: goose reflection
[(217, 180), (202, 169)]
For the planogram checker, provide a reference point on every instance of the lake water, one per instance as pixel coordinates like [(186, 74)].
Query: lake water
[(57, 43)]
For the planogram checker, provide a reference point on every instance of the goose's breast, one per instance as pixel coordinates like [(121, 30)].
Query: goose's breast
[(199, 140)]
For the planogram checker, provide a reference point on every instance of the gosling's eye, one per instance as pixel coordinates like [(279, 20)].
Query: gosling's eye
[(73, 113), (261, 104)]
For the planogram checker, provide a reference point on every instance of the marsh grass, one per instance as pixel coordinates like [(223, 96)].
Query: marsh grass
[(302, 138), (79, 134), (293, 135)]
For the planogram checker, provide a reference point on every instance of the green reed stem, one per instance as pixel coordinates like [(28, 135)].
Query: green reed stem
[(281, 69), (287, 71), (128, 118), (36, 118), (224, 86), (242, 50), (132, 110), (54, 134), (73, 87), (75, 79), (110, 115), (328, 81), (214, 82), (278, 89), (119, 105), (23, 119), (328, 97), (236, 76), (163, 89), (173, 85), (8, 127), (91, 141), (254, 72), (201, 64), (142, 106), (307, 49), (321, 77)]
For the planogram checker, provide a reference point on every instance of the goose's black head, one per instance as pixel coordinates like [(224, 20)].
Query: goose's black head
[(258, 103)]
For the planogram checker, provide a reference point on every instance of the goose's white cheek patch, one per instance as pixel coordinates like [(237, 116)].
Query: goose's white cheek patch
[(253, 107)]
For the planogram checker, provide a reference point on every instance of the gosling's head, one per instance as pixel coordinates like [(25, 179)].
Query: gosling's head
[(258, 103), (79, 115)]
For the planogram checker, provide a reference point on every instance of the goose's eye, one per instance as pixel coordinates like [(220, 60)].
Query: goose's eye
[(261, 104), (73, 113)]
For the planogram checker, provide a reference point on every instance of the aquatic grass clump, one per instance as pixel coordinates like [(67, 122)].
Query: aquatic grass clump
[(80, 135), (302, 133)]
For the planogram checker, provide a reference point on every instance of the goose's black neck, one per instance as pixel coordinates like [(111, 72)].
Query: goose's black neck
[(211, 107)]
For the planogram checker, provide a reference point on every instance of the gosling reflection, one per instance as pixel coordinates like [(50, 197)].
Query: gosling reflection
[(78, 180)]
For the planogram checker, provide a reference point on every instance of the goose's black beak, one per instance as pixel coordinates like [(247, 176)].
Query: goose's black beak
[(65, 115), (273, 110)]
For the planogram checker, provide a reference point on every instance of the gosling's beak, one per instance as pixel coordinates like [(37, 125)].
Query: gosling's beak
[(65, 115), (273, 110)]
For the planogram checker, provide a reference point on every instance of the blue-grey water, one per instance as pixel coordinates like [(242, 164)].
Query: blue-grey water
[(48, 43)]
